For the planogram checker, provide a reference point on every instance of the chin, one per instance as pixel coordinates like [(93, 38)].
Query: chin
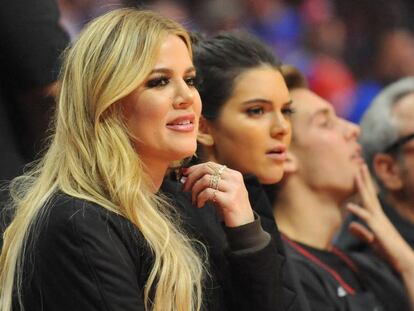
[(346, 193), (269, 179), (185, 152)]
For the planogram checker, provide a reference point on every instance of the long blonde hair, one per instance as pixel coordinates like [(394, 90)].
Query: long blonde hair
[(91, 157)]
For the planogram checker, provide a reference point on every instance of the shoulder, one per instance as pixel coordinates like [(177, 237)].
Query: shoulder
[(381, 280), (69, 222), (64, 210), (84, 257)]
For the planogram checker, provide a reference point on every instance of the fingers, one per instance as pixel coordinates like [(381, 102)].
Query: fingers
[(376, 220), (199, 185), (368, 180), (222, 186), (194, 173), (208, 194), (202, 179), (359, 211), (362, 187), (367, 190), (205, 183), (361, 232)]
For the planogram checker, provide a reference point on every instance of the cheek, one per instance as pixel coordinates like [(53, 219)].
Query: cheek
[(233, 145), (197, 104), (329, 144), (146, 115), (246, 137), (153, 109), (288, 138)]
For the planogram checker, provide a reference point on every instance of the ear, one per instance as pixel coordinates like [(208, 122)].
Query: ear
[(387, 170), (290, 166), (204, 136)]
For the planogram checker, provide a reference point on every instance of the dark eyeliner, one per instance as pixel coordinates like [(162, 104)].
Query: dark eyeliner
[(255, 111), (288, 109), (157, 82), (191, 81)]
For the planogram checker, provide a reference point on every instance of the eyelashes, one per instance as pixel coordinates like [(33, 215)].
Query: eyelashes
[(157, 82), (288, 111), (191, 81), (255, 111), (165, 80), (258, 111)]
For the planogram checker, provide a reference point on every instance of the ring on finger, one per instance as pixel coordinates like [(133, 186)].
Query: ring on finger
[(221, 170), (214, 181), (217, 171), (213, 197)]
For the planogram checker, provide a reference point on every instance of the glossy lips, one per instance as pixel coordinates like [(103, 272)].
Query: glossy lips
[(182, 124), (277, 153)]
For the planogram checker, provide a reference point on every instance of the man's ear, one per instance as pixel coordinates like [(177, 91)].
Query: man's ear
[(387, 170), (204, 136), (291, 164)]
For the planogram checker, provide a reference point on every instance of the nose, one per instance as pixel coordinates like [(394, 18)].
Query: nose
[(184, 96), (280, 126), (352, 130)]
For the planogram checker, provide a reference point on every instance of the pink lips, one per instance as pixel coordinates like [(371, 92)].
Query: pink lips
[(277, 153), (182, 124)]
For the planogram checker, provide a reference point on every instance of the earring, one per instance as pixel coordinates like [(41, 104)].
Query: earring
[(208, 141)]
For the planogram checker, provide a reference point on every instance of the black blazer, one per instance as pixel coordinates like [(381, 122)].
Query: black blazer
[(247, 281), (262, 280), (289, 293), (84, 257)]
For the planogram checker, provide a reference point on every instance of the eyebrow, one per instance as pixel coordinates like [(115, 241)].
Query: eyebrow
[(324, 111), (264, 101), (169, 71)]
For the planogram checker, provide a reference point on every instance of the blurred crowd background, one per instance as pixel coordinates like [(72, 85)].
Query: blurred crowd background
[(348, 49)]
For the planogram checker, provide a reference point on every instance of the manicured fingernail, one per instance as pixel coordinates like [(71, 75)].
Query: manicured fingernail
[(183, 179)]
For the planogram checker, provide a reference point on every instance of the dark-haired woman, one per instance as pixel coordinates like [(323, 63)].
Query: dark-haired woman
[(245, 126)]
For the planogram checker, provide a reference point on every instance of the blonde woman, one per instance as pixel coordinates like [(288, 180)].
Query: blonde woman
[(89, 231)]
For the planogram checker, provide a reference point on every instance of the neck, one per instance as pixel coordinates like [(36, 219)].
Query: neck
[(306, 216), (208, 154), (156, 172), (402, 204)]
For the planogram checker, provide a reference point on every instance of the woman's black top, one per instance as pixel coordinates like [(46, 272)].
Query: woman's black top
[(248, 279), (82, 257)]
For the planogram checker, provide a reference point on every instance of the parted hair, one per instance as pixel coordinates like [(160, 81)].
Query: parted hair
[(219, 60), (91, 157)]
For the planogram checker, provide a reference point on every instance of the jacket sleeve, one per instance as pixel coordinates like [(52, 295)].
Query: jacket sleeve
[(254, 266), (85, 263), (255, 278)]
